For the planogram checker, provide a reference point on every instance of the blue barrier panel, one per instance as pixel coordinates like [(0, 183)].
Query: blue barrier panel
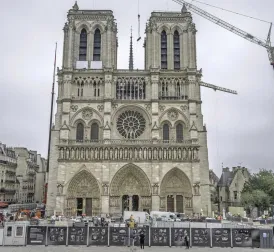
[(98, 236), (177, 236), (200, 237), (118, 236), (241, 237), (57, 236), (159, 236), (36, 235), (77, 235), (221, 237)]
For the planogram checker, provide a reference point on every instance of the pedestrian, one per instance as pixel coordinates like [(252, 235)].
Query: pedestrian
[(186, 240), (142, 240)]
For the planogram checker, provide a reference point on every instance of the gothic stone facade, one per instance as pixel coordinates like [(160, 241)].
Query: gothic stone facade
[(128, 139)]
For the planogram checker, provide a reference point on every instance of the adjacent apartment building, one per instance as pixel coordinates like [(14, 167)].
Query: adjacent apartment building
[(22, 175), (230, 186), (8, 182)]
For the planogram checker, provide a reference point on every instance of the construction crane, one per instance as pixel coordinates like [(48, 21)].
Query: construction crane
[(216, 88), (231, 28)]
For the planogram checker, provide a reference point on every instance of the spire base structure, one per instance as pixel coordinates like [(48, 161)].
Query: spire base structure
[(130, 65)]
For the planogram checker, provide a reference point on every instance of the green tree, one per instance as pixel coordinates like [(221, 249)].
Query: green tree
[(255, 198), (259, 190)]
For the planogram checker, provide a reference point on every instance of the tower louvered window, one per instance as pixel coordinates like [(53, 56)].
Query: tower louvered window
[(163, 50), (83, 45), (97, 45), (176, 46), (94, 134), (80, 132), (179, 133), (166, 132)]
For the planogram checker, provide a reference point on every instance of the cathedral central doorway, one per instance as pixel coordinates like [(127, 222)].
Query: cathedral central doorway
[(79, 206), (130, 203), (130, 190)]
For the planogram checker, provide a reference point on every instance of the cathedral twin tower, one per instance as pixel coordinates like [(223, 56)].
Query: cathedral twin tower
[(126, 139)]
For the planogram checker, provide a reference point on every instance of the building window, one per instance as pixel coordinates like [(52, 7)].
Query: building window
[(94, 134), (80, 91), (131, 88), (235, 195), (166, 132), (179, 133), (97, 45), (80, 132), (9, 231), (83, 45), (176, 46), (221, 199), (163, 50), (96, 89)]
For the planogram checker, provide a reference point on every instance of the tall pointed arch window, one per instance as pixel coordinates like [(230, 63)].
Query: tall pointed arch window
[(176, 48), (163, 50), (97, 45), (179, 133), (94, 134), (166, 132), (79, 132), (83, 45)]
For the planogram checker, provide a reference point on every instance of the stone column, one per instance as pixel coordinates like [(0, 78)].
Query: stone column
[(65, 45), (90, 37), (175, 203), (185, 51), (68, 63), (170, 51), (130, 202), (84, 206)]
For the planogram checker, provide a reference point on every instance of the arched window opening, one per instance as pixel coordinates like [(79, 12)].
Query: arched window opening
[(163, 50), (80, 132), (176, 48), (94, 134), (80, 91), (97, 45), (166, 133), (179, 133), (83, 45)]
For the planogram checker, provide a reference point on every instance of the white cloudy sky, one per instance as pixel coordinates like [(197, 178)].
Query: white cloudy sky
[(240, 128)]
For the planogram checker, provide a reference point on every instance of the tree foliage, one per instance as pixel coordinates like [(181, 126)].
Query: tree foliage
[(259, 190)]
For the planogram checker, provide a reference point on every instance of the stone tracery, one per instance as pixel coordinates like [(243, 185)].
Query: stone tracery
[(131, 124), (133, 181), (175, 181)]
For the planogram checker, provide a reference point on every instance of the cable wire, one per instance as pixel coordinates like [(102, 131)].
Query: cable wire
[(232, 11)]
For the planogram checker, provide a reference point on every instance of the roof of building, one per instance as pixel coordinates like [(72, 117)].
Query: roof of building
[(228, 176)]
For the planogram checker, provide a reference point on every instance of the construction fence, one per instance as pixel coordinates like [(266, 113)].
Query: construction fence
[(23, 234)]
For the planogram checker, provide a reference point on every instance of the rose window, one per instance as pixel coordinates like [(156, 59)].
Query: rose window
[(131, 124)]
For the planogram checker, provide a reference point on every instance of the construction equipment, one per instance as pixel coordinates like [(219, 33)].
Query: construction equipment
[(231, 28), (204, 84), (139, 25)]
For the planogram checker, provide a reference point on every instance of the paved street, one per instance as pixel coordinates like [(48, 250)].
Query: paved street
[(119, 249)]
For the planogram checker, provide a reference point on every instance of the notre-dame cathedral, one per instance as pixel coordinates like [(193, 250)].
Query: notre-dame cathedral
[(127, 139)]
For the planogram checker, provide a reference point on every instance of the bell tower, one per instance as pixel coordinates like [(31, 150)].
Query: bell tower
[(170, 41), (90, 39)]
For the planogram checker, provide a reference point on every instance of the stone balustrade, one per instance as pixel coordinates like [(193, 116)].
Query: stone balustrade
[(121, 151)]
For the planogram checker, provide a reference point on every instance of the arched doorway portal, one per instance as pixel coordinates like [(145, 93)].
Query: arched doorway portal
[(83, 195), (176, 192), (130, 190)]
